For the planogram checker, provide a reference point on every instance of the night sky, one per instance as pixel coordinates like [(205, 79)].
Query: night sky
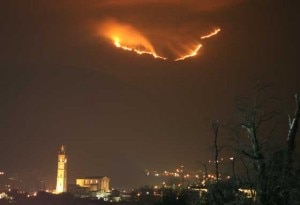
[(117, 112)]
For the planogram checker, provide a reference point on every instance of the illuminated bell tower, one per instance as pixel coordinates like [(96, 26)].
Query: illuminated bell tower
[(61, 182)]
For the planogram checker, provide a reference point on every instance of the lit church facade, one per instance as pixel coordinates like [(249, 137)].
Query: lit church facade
[(96, 183)]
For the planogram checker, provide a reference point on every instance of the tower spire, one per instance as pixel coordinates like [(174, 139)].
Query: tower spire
[(62, 150), (61, 182)]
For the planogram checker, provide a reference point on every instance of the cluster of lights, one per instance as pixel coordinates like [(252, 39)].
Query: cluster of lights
[(218, 161), (211, 176), (179, 172)]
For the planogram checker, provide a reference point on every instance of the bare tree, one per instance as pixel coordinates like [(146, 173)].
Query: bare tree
[(205, 171), (215, 127), (289, 187), (216, 193), (253, 116), (293, 128), (239, 178)]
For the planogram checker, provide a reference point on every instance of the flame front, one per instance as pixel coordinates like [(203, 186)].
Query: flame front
[(215, 32), (138, 51), (128, 38), (193, 52)]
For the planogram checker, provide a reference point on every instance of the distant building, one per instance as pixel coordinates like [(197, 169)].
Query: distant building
[(93, 187), (95, 183), (61, 182)]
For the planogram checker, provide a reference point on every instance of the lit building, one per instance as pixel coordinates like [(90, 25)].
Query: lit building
[(61, 182), (94, 183)]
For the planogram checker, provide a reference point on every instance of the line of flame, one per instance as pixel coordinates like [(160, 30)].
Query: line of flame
[(140, 52), (215, 32), (193, 53)]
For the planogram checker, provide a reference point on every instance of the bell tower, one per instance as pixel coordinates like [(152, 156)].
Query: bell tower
[(61, 182)]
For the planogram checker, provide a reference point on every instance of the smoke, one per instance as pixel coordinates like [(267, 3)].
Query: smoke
[(128, 38), (124, 34)]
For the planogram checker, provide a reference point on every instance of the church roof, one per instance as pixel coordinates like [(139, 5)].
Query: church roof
[(95, 177)]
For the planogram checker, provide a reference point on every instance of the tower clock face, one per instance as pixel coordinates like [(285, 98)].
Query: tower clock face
[(61, 159), (61, 166)]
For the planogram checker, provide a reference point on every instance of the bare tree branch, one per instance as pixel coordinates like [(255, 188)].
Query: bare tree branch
[(249, 155), (215, 127), (270, 133), (293, 129)]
